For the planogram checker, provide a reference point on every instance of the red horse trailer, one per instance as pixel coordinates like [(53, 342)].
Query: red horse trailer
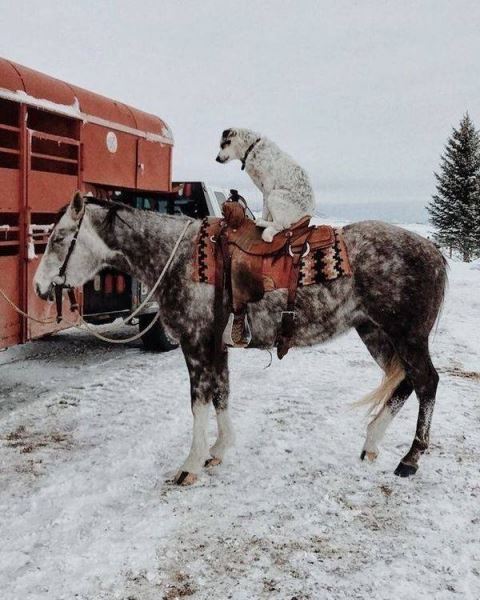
[(56, 138)]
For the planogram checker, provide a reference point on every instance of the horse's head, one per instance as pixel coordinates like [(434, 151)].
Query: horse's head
[(75, 252)]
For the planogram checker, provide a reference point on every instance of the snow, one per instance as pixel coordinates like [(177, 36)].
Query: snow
[(90, 435), (70, 110)]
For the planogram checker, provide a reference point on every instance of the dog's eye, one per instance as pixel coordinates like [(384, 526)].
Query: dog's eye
[(225, 144)]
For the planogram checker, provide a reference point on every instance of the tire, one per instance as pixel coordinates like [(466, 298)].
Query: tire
[(155, 339)]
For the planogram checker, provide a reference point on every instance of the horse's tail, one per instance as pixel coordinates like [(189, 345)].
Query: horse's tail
[(394, 374), (443, 290)]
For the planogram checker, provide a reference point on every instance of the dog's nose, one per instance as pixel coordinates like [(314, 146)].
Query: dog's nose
[(218, 159)]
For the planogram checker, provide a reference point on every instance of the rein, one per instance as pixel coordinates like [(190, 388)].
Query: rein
[(249, 149)]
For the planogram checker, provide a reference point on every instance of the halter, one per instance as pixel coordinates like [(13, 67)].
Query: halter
[(61, 285), (249, 149)]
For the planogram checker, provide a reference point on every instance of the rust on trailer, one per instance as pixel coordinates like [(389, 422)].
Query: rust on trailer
[(55, 138)]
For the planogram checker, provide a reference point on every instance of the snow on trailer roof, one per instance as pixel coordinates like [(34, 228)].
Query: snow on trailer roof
[(21, 84)]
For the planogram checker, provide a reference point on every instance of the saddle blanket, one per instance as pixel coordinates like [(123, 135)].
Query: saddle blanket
[(318, 265)]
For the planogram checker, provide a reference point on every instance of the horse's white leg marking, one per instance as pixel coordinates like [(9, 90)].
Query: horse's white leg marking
[(375, 432), (199, 450), (225, 438)]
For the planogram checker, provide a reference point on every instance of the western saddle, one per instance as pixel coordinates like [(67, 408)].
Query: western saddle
[(232, 254)]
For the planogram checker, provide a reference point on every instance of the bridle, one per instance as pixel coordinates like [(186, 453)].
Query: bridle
[(59, 284), (60, 280)]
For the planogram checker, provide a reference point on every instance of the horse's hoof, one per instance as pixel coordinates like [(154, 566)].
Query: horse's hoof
[(213, 462), (404, 470), (369, 455), (186, 478)]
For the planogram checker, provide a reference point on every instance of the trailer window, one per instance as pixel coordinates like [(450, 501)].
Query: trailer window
[(41, 228), (8, 113), (54, 154), (42, 120), (9, 234), (9, 135)]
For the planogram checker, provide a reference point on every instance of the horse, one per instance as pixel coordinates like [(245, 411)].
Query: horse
[(392, 299)]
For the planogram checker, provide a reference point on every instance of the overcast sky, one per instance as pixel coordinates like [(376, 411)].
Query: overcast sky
[(363, 94)]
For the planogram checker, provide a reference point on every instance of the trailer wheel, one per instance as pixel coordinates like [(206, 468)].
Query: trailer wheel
[(155, 339)]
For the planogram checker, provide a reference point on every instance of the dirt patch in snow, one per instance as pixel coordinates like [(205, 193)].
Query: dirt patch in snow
[(459, 372), (30, 441)]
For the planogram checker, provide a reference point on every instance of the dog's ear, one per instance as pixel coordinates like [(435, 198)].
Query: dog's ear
[(229, 133)]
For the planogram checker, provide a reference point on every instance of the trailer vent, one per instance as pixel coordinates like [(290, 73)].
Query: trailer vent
[(9, 135), (55, 146)]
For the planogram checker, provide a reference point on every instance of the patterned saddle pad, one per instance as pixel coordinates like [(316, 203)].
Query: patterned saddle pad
[(324, 256)]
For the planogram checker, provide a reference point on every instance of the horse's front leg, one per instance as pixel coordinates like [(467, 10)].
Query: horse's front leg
[(225, 436), (208, 382)]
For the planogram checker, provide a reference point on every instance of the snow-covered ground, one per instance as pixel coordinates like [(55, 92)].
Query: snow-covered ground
[(91, 433)]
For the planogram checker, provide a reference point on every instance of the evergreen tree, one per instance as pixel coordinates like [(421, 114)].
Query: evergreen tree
[(455, 208)]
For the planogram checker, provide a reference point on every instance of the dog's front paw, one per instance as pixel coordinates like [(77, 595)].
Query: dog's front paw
[(267, 235)]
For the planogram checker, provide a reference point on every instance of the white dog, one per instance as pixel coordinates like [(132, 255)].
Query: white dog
[(287, 192)]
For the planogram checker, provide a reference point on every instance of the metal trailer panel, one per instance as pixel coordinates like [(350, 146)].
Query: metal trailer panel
[(43, 86), (10, 322), (153, 166), (10, 184), (62, 138), (104, 167), (9, 76)]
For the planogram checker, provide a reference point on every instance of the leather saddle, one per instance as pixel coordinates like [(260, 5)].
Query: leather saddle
[(242, 233), (247, 267)]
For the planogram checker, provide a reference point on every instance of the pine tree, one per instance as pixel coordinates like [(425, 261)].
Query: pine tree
[(455, 208)]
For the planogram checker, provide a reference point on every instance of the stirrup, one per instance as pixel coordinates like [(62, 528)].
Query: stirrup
[(237, 333)]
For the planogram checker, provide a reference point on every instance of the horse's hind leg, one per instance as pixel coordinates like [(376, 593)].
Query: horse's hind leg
[(422, 373), (392, 392), (378, 425)]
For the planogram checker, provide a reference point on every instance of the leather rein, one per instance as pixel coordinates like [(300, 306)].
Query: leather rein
[(59, 286)]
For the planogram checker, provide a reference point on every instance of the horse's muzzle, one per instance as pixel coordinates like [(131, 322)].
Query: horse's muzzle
[(47, 295)]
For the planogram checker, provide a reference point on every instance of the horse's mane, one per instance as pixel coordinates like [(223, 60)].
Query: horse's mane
[(113, 207)]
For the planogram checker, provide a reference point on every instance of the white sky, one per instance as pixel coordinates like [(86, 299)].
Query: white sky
[(362, 94)]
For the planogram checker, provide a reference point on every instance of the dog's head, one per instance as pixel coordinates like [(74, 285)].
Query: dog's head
[(229, 146)]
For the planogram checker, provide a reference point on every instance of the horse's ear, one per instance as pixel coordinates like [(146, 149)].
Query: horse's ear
[(77, 206)]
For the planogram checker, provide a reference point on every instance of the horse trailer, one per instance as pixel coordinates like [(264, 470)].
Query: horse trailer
[(56, 138)]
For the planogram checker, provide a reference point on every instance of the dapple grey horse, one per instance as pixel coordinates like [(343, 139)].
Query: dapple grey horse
[(393, 300)]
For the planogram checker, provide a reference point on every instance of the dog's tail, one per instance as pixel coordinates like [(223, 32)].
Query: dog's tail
[(376, 400)]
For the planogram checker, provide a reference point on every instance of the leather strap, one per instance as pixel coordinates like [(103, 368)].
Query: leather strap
[(222, 283), (287, 324), (249, 149)]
